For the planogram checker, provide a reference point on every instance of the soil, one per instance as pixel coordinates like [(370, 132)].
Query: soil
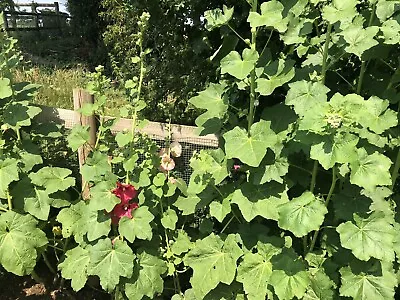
[(13, 287)]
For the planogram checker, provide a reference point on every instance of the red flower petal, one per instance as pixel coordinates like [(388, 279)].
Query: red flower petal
[(125, 192), (122, 210)]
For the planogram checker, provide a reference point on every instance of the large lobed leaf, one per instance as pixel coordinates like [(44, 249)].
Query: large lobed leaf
[(213, 261), (19, 240)]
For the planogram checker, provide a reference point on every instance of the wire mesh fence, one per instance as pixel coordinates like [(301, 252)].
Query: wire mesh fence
[(158, 132)]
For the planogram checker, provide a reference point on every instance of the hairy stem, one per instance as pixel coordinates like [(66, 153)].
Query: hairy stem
[(328, 198), (253, 96)]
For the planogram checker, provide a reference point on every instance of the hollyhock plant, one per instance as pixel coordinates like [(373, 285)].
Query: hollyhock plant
[(176, 149), (167, 163), (126, 193)]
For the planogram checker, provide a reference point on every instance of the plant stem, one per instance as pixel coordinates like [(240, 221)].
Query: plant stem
[(238, 35), (48, 264), (326, 50), (328, 198), (365, 63), (396, 168), (227, 224), (9, 201), (253, 96), (324, 69), (314, 176), (36, 277)]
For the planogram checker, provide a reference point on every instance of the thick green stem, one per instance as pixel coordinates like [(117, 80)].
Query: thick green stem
[(396, 168), (361, 76), (328, 198), (253, 96), (48, 264), (314, 176), (365, 63)]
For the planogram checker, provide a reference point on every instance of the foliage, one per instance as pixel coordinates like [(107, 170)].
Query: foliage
[(299, 200)]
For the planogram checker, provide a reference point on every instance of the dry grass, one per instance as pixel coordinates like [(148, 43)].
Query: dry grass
[(57, 85)]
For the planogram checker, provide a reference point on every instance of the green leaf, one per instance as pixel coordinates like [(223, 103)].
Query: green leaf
[(213, 261), (339, 148), (364, 286), (215, 103), (146, 279), (289, 276), (217, 18), (235, 66), (138, 227), (74, 267), (95, 167), (5, 88), (343, 11), (78, 136), (187, 205), (359, 39), (8, 174), (69, 218), (386, 8), (369, 171), (95, 223), (102, 196), (302, 215), (376, 116), (256, 268), (33, 199), (260, 200), (110, 262), (391, 32), (181, 243), (271, 16), (278, 73), (250, 149), (169, 219), (305, 94), (271, 168), (366, 238), (53, 179), (321, 286), (220, 210), (123, 138), (19, 239), (19, 114)]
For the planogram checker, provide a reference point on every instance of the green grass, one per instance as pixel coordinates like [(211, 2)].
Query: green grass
[(58, 84)]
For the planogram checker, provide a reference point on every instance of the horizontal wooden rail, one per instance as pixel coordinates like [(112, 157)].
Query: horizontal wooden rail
[(40, 14), (36, 4), (158, 131)]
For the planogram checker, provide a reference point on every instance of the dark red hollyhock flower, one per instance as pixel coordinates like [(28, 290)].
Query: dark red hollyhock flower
[(126, 193), (122, 210)]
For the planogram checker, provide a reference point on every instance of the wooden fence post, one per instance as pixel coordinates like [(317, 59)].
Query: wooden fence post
[(35, 17), (81, 97)]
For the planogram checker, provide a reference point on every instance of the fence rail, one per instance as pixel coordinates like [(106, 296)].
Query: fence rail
[(48, 19), (159, 131)]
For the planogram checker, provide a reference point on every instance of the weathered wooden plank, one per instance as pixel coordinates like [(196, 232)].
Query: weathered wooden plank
[(155, 130)]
